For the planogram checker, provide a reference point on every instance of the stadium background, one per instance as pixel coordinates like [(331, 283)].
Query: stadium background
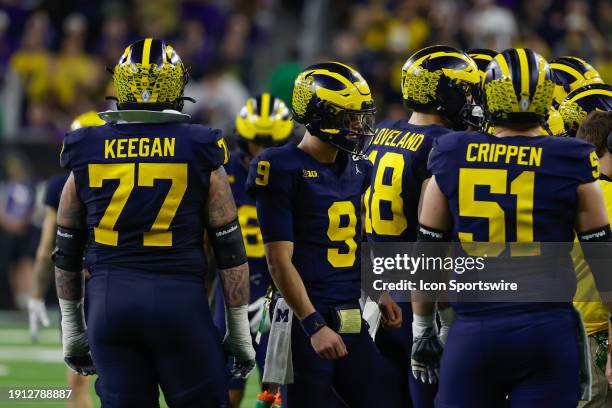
[(53, 56)]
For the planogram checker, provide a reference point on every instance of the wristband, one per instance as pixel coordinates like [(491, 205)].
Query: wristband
[(313, 323)]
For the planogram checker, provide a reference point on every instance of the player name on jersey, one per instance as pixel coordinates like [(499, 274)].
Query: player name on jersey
[(139, 147), (494, 153), (391, 137)]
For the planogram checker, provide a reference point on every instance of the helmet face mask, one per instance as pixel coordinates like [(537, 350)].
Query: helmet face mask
[(334, 103)]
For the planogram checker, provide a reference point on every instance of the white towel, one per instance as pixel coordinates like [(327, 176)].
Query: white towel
[(278, 368), (372, 315)]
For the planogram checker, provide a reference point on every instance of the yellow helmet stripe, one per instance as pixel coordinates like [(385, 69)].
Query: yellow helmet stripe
[(265, 105), (580, 95), (439, 54), (503, 65), (482, 56), (249, 105), (562, 67), (524, 69), (146, 52)]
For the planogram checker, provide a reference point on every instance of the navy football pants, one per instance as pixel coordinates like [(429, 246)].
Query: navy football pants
[(396, 346), (361, 379), (147, 330), (532, 357)]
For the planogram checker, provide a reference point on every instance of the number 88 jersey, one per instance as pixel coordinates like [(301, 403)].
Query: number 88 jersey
[(316, 206), (399, 153), (144, 187)]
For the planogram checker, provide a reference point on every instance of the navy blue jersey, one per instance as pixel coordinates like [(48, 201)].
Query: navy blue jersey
[(316, 206), (237, 172), (53, 190), (399, 153), (144, 187), (512, 189)]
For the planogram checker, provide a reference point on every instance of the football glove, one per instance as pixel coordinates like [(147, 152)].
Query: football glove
[(37, 312), (426, 349), (446, 319), (74, 337), (237, 342)]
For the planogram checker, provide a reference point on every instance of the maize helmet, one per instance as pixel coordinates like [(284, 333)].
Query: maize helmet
[(517, 87), (335, 104), (570, 73), (582, 101), (553, 125), (442, 79), (482, 57), (264, 120), (86, 119), (150, 75)]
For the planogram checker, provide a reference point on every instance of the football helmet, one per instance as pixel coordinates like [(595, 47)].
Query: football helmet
[(580, 102), (517, 87), (335, 104), (570, 73), (86, 119), (264, 120), (441, 79), (482, 57), (554, 124), (150, 75)]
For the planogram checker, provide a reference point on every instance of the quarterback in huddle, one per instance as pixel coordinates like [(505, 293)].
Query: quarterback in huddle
[(495, 147)]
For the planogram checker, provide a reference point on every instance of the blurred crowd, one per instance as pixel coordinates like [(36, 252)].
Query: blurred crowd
[(54, 57)]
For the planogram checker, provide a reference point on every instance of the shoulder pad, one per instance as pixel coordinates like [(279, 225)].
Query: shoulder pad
[(272, 171), (69, 151), (209, 145)]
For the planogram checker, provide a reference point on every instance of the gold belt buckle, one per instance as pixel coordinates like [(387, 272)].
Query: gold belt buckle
[(350, 321)]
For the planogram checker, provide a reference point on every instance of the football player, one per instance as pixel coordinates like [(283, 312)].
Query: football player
[(264, 121), (569, 74), (580, 102), (43, 267), (526, 352), (142, 191), (309, 208), (596, 129), (437, 85)]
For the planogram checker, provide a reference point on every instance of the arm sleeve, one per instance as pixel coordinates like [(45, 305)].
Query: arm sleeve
[(437, 165), (271, 184), (275, 218)]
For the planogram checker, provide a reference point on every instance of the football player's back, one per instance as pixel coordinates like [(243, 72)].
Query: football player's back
[(398, 152), (144, 186), (142, 191), (512, 187)]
